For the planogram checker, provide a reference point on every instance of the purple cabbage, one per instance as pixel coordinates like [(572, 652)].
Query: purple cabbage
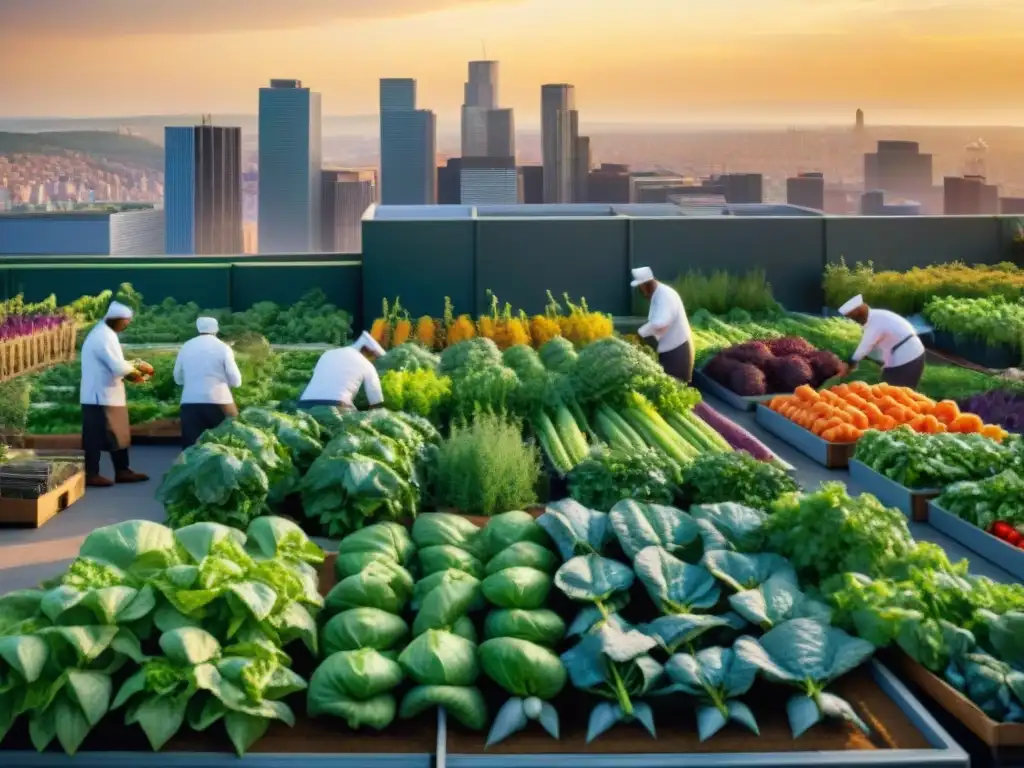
[(785, 374), (734, 434), (825, 365), (747, 380), (998, 407), (754, 352), (791, 345)]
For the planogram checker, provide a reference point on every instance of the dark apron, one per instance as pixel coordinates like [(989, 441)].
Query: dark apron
[(907, 375), (678, 362), (196, 418), (105, 428), (305, 405)]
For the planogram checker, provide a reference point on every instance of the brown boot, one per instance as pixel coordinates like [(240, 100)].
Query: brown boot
[(98, 481), (127, 476)]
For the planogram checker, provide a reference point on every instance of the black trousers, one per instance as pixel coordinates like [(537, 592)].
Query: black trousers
[(678, 362), (105, 429), (906, 375), (92, 461), (196, 418)]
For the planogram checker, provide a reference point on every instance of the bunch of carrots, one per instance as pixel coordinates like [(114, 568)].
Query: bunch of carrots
[(841, 414)]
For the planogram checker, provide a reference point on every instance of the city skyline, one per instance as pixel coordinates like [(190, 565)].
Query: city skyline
[(902, 61)]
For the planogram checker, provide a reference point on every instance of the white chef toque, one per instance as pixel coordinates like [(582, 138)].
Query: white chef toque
[(207, 325), (118, 311), (641, 275), (852, 304)]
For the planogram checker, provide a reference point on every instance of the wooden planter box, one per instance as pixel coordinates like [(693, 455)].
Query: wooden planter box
[(1004, 740), (159, 432), (831, 455), (36, 352), (903, 734), (34, 513), (912, 502)]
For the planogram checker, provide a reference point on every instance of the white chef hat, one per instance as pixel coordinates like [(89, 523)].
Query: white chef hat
[(118, 311), (366, 341), (852, 304), (207, 325), (642, 275)]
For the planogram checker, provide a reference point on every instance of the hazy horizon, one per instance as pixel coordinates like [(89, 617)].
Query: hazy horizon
[(740, 63)]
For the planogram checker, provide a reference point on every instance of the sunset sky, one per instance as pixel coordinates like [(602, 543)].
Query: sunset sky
[(631, 60)]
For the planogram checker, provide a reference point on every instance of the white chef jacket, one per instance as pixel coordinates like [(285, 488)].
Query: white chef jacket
[(883, 331), (339, 374), (667, 321), (103, 368), (206, 368)]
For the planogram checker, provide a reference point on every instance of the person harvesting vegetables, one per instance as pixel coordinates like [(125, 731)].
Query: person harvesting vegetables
[(206, 369), (105, 424), (894, 336), (340, 373), (667, 322)]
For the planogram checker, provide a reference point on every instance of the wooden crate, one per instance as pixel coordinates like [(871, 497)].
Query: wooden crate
[(35, 513)]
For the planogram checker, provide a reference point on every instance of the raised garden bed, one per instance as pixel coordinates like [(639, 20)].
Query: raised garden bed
[(912, 502), (831, 455), (996, 551), (903, 733), (35, 513), (1004, 740), (709, 386), (997, 356), (37, 351), (159, 432)]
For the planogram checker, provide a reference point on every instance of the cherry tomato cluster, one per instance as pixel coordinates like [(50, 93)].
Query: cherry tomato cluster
[(1008, 533)]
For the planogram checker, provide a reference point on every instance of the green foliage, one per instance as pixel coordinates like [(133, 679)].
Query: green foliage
[(737, 476), (721, 291), (992, 320), (485, 467)]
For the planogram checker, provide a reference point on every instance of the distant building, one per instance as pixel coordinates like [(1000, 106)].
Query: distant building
[(807, 190), (969, 196), (346, 196), (448, 180), (112, 231), (559, 132), (898, 168), (1011, 205), (531, 181), (408, 146), (203, 190), (289, 166), (609, 184), (858, 122), (489, 181), (741, 188), (874, 204), (581, 182)]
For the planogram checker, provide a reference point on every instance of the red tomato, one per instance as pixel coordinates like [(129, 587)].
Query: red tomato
[(1013, 537), (1001, 530)]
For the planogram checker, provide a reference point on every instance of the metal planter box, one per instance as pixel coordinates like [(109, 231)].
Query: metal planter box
[(709, 386), (996, 551), (996, 356), (912, 502), (831, 455), (942, 750)]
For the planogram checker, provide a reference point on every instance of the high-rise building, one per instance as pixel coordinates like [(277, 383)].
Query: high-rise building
[(203, 190), (489, 181), (289, 167), (899, 168), (581, 180), (858, 123), (559, 131), (740, 188), (969, 196), (488, 141), (531, 177), (408, 146), (806, 190), (449, 179), (609, 184), (873, 203), (1011, 205), (346, 196)]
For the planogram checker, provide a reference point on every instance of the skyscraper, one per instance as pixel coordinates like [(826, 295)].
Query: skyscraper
[(346, 196), (408, 146), (289, 167), (898, 167), (581, 171), (806, 190), (559, 131), (488, 141), (203, 190)]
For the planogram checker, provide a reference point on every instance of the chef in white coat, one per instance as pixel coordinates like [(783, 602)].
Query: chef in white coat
[(667, 323), (903, 353), (340, 374), (207, 372), (105, 424)]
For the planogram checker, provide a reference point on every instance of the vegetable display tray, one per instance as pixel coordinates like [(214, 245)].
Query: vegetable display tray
[(1005, 740), (35, 513), (709, 386), (903, 734), (996, 551), (831, 455), (975, 351), (912, 502)]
